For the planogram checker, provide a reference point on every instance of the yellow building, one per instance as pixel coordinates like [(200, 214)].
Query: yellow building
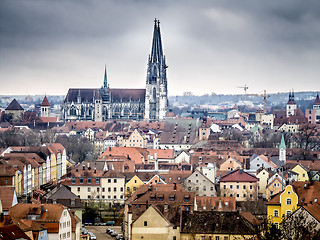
[(53, 167), (132, 185), (282, 205), (302, 173)]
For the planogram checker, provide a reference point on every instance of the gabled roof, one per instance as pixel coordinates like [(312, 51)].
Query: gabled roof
[(14, 105), (6, 197), (216, 203), (112, 174), (45, 102), (313, 209), (61, 192), (239, 176), (86, 95)]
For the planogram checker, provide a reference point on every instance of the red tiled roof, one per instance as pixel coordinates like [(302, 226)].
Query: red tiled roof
[(317, 100), (239, 176), (216, 203), (162, 153), (45, 102), (48, 119), (6, 196)]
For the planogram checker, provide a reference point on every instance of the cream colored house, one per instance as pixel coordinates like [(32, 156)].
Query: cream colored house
[(135, 139), (263, 177), (152, 224)]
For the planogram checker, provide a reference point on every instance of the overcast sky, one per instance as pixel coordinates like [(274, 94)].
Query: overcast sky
[(49, 46)]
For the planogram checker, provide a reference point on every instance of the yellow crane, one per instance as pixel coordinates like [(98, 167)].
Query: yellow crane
[(265, 97)]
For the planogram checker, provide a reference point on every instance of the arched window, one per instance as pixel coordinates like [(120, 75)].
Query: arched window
[(154, 94), (73, 111), (289, 201)]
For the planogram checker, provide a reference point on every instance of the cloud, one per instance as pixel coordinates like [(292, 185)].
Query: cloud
[(211, 46)]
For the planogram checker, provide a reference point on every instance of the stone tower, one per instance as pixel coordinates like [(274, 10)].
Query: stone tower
[(156, 101), (45, 108), (291, 105)]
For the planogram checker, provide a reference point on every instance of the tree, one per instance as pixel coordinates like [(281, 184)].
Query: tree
[(307, 139)]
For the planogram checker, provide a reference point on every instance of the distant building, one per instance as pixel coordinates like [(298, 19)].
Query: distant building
[(45, 108), (105, 103), (291, 105), (15, 109)]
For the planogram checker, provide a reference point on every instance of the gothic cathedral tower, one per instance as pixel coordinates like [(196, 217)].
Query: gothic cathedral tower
[(156, 101)]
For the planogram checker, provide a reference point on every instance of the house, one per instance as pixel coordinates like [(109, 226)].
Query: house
[(263, 176), (136, 154), (200, 184), (170, 198), (8, 198), (292, 198), (239, 184), (153, 224), (275, 184), (209, 170), (183, 156), (217, 225), (15, 109), (135, 139), (132, 185), (161, 155), (262, 161), (63, 195), (56, 218), (302, 172)]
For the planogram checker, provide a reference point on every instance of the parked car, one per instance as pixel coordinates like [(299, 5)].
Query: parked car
[(114, 234), (120, 237), (92, 236), (109, 223)]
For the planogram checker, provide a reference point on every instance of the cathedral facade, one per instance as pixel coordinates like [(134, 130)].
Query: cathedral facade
[(101, 104)]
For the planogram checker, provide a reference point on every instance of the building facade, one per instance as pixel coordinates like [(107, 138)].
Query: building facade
[(105, 103)]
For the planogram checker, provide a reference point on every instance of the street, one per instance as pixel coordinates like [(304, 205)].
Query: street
[(100, 231)]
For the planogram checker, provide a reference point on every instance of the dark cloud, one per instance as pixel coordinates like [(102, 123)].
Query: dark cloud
[(211, 46)]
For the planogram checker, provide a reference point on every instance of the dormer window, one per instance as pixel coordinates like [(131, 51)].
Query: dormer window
[(152, 197), (186, 198), (89, 180), (73, 180), (171, 197)]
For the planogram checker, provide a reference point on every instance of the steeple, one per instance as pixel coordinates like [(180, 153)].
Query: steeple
[(105, 82), (282, 150), (156, 101)]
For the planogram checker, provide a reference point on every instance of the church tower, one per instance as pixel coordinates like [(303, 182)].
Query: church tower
[(291, 105), (282, 150), (45, 108), (156, 101)]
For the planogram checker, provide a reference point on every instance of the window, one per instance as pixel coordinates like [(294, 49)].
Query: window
[(217, 237), (81, 180), (145, 223), (109, 180), (128, 188), (103, 189), (237, 186), (276, 213), (109, 197), (174, 238), (226, 238), (98, 189), (276, 224), (288, 213), (244, 186), (238, 195), (289, 201), (211, 188), (289, 192), (204, 188), (224, 187), (121, 189), (109, 189), (231, 186), (244, 195), (78, 189), (89, 189), (89, 180), (114, 189), (197, 188), (97, 180), (73, 180), (115, 180), (250, 186)]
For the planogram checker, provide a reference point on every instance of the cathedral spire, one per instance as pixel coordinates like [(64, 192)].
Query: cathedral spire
[(105, 81)]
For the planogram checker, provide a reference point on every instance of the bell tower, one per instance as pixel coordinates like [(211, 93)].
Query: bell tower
[(156, 101)]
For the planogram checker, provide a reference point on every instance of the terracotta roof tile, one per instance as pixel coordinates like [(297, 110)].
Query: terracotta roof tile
[(6, 196), (45, 102), (239, 176)]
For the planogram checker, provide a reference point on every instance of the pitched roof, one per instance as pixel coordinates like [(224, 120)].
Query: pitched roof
[(204, 222), (86, 95), (239, 176), (112, 174), (317, 100), (216, 203), (6, 196), (45, 102), (127, 95), (162, 153), (14, 105), (12, 232), (313, 209)]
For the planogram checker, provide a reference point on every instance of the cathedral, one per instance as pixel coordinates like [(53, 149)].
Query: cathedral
[(150, 104)]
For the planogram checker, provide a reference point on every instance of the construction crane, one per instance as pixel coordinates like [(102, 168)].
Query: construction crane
[(245, 88), (265, 97)]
